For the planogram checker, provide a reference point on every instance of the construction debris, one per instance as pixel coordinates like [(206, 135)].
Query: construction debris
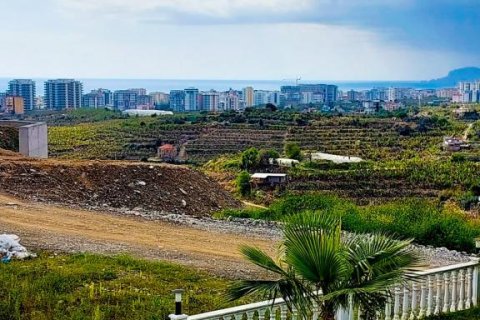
[(10, 248)]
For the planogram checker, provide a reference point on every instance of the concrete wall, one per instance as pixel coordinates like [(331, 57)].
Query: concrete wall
[(33, 140)]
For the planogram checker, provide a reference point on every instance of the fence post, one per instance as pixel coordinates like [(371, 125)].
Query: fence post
[(178, 315)]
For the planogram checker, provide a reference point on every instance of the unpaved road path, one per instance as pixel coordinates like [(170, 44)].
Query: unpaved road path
[(49, 227)]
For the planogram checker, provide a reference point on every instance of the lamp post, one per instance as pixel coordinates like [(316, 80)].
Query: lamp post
[(178, 315)]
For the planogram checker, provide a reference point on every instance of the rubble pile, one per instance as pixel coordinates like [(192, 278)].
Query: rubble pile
[(108, 184)]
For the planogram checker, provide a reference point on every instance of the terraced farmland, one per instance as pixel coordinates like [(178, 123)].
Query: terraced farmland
[(137, 138)]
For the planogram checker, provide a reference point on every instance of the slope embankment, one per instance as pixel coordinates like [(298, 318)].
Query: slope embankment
[(102, 184)]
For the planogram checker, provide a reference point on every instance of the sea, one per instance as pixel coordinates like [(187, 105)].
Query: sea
[(165, 85)]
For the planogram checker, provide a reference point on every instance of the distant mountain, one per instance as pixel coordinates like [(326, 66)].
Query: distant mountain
[(455, 76)]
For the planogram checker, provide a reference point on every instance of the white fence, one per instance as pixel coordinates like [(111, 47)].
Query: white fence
[(441, 290)]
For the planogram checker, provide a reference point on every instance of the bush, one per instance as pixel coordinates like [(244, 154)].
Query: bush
[(243, 184), (292, 151), (426, 222), (250, 159)]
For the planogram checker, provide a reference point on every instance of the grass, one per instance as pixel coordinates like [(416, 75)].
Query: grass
[(86, 286), (471, 314), (428, 222)]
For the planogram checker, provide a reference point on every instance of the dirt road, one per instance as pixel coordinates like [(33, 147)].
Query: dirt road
[(49, 227)]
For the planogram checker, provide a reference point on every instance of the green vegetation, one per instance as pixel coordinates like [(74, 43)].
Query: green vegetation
[(243, 184), (429, 223), (84, 286), (292, 151), (471, 314), (314, 257)]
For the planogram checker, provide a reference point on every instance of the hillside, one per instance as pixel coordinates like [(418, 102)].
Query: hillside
[(455, 76), (125, 185)]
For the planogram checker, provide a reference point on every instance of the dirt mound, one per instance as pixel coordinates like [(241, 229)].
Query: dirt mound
[(97, 184), (8, 153)]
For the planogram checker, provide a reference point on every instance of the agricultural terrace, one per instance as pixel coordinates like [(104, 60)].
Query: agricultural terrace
[(207, 136)]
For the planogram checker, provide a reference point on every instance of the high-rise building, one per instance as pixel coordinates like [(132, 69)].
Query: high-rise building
[(469, 91), (99, 98), (125, 99), (249, 97), (144, 102), (177, 100), (139, 91), (209, 101), (24, 88), (63, 93), (191, 99), (160, 98)]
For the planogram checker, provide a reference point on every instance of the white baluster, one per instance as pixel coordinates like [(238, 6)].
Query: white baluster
[(388, 309), (396, 304), (250, 315), (453, 305), (438, 292), (430, 296), (405, 303), (294, 313), (475, 286), (261, 314), (413, 309), (468, 300), (423, 293), (461, 299), (273, 313), (238, 316), (283, 312), (350, 307), (316, 312), (446, 280)]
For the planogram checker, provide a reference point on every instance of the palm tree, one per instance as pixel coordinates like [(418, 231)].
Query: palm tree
[(314, 258)]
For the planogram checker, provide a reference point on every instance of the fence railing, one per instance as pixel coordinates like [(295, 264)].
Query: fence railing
[(433, 291)]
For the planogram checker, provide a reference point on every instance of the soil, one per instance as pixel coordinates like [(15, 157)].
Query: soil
[(55, 228), (126, 185)]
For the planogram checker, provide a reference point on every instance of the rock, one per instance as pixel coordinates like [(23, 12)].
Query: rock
[(184, 203), (141, 183), (183, 191)]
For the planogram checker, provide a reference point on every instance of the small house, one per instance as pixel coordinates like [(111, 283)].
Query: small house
[(167, 152), (269, 179), (454, 144)]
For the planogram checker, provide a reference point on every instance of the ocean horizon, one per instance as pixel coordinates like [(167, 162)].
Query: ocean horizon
[(165, 85)]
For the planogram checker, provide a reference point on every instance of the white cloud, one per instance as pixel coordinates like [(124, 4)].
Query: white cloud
[(223, 8)]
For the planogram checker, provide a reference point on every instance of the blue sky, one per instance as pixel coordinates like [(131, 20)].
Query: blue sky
[(239, 39)]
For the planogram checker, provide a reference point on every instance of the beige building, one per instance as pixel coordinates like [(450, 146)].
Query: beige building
[(249, 97), (15, 105)]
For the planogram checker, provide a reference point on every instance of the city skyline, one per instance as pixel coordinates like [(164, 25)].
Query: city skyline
[(219, 39)]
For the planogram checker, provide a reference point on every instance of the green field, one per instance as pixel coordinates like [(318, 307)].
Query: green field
[(85, 286)]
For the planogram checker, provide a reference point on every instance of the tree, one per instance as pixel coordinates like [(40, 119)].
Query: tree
[(314, 258), (250, 158), (292, 151), (264, 156), (243, 184)]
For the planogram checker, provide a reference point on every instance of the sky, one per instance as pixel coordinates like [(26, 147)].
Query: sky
[(338, 40)]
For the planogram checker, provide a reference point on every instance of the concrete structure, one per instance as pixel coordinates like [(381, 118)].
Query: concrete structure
[(24, 88), (32, 137), (63, 94)]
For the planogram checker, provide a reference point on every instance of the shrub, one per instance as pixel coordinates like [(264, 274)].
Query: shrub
[(250, 159), (292, 151), (243, 184)]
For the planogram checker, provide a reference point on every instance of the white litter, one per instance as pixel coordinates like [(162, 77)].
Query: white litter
[(10, 248)]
